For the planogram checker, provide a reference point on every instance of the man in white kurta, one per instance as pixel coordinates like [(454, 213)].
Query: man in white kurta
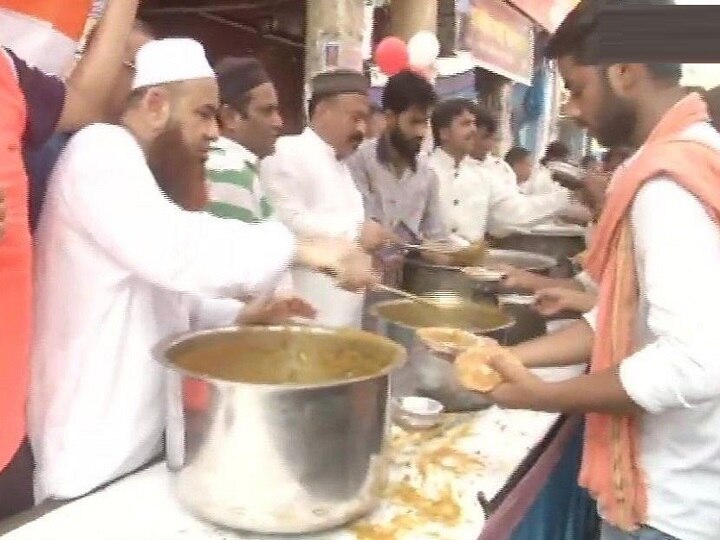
[(312, 189), (531, 179), (486, 141), (473, 202), (120, 267)]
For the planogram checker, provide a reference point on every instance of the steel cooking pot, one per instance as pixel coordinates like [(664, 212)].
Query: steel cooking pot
[(279, 429), (425, 374), (560, 247), (423, 277), (528, 323)]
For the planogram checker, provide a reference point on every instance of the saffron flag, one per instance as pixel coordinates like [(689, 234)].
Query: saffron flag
[(44, 33)]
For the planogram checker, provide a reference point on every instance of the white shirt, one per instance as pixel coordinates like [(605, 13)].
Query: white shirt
[(675, 373), (540, 182), (118, 268), (498, 169), (314, 194), (475, 203)]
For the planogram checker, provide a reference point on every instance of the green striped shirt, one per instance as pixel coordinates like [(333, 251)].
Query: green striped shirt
[(235, 191)]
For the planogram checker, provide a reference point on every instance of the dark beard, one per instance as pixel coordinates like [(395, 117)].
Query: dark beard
[(178, 171), (617, 120), (407, 148)]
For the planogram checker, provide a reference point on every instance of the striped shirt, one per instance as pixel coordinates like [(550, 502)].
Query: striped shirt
[(234, 185), (235, 191)]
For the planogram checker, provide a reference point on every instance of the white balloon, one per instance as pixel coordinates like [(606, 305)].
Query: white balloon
[(423, 49)]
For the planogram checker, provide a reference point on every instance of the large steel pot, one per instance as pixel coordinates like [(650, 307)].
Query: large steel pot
[(279, 457), (425, 374), (423, 277)]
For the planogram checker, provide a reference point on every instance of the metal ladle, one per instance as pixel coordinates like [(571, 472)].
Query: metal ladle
[(409, 296)]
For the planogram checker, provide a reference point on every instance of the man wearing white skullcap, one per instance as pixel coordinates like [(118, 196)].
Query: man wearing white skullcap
[(122, 264)]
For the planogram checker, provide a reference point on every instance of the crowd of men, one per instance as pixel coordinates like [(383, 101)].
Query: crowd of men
[(162, 198)]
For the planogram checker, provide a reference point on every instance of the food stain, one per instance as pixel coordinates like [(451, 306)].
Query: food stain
[(432, 459)]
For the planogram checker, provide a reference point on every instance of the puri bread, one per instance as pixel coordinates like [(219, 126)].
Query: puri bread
[(473, 371), (438, 338)]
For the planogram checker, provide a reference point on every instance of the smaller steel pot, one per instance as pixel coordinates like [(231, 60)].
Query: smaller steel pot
[(422, 277), (425, 374), (559, 248)]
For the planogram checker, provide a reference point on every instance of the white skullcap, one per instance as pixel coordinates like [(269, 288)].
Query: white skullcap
[(170, 60)]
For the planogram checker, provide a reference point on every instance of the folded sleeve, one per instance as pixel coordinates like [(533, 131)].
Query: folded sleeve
[(678, 261), (109, 194), (510, 209), (591, 318), (208, 313), (584, 279)]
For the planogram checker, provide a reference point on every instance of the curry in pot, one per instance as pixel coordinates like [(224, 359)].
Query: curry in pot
[(453, 314), (286, 355)]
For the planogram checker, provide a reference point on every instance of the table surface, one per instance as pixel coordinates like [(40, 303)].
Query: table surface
[(438, 478)]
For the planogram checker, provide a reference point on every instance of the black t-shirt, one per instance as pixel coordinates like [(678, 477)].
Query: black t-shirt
[(44, 97)]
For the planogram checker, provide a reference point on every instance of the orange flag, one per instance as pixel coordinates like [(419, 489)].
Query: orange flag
[(45, 33)]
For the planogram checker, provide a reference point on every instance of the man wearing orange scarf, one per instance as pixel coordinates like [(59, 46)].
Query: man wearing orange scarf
[(652, 394)]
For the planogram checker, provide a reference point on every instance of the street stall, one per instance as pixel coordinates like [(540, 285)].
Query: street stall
[(466, 478), (333, 459), (293, 430)]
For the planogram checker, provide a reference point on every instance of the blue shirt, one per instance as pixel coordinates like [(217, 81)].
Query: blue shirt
[(39, 164)]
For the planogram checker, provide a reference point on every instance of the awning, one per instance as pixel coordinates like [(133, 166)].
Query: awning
[(501, 39), (547, 13)]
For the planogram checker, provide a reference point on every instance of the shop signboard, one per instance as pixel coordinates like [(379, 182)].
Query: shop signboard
[(548, 13), (501, 39)]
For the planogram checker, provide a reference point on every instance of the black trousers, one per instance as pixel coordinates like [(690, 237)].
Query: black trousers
[(16, 485)]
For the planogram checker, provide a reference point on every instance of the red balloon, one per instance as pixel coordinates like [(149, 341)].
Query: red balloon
[(392, 56)]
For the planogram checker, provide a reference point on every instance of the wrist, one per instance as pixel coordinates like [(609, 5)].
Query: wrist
[(529, 281), (524, 353), (542, 396), (310, 255)]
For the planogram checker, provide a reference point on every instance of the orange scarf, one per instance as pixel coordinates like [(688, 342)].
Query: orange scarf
[(611, 468), (15, 267)]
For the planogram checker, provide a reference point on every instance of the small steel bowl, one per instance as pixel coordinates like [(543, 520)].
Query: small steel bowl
[(415, 412)]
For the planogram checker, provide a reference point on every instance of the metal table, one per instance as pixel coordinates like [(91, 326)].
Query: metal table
[(152, 508)]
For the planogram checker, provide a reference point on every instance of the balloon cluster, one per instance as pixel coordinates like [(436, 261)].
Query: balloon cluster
[(392, 55)]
